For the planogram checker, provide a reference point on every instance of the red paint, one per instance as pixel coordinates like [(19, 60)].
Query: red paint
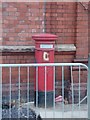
[(45, 55)]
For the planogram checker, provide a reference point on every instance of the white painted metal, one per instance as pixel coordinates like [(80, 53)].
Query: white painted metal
[(54, 65), (44, 64)]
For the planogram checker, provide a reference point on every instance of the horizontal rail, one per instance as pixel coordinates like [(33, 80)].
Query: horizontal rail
[(43, 64)]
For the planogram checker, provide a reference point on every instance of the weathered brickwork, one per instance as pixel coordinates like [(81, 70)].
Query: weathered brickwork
[(21, 20), (69, 21), (63, 59), (61, 20), (82, 32), (18, 59)]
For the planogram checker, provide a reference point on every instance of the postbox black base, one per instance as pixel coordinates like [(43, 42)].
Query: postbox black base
[(41, 99)]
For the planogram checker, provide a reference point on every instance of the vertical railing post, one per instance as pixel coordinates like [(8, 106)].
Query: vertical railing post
[(88, 87), (0, 93)]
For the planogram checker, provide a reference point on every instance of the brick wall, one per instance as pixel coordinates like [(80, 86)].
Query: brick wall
[(63, 59), (18, 59), (61, 20), (25, 74), (82, 32), (21, 21), (68, 20), (81, 45)]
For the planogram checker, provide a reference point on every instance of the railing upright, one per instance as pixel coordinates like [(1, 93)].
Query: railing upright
[(0, 92), (88, 88)]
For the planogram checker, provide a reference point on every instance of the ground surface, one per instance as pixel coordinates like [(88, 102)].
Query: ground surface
[(61, 111)]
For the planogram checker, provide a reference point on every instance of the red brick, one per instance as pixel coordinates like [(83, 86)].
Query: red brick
[(62, 19), (11, 9)]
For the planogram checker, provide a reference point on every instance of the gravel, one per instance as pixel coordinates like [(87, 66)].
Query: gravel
[(20, 112)]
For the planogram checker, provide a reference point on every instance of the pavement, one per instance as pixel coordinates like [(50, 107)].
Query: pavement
[(61, 110)]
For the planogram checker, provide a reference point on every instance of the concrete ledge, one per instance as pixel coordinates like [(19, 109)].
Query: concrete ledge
[(58, 48), (17, 48), (65, 47), (82, 60)]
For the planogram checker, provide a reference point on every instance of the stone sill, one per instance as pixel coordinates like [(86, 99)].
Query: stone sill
[(82, 60), (17, 48), (65, 47), (58, 48)]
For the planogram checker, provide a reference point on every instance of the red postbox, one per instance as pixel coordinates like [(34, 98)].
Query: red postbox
[(44, 53)]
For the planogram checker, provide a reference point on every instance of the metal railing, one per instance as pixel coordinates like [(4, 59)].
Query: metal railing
[(59, 109)]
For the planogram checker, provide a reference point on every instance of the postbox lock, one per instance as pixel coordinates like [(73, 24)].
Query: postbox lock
[(45, 56)]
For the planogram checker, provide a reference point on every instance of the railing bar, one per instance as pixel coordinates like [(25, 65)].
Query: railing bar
[(10, 93), (36, 90), (79, 88), (88, 88), (72, 92), (19, 93), (63, 90), (1, 93), (45, 88), (54, 93), (44, 64), (28, 83)]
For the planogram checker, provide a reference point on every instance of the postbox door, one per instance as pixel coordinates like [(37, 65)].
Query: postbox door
[(45, 56), (48, 56)]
